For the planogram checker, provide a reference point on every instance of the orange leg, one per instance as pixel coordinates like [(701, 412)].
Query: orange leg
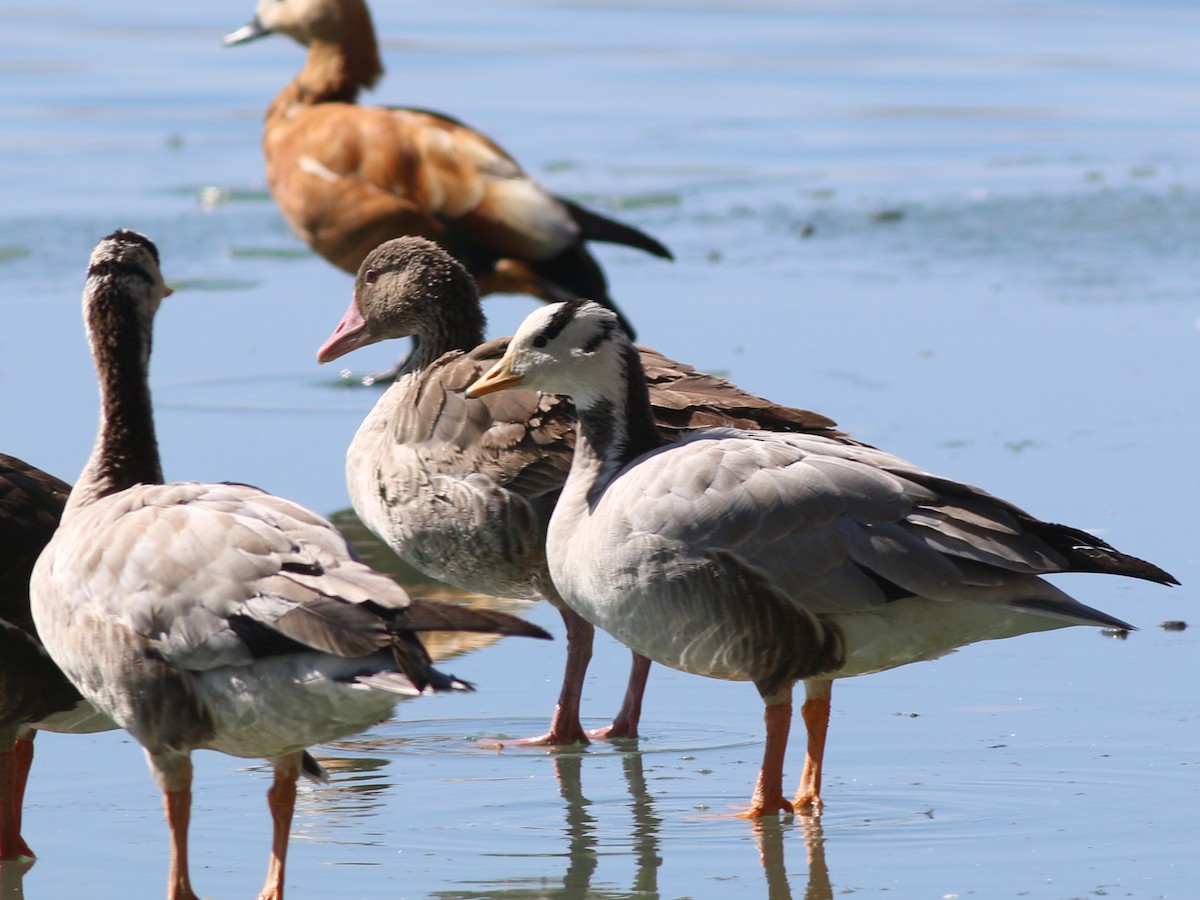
[(768, 796), (816, 720), (178, 804), (281, 799), (625, 725)]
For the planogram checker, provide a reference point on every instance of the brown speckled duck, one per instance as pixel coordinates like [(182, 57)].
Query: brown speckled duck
[(463, 489)]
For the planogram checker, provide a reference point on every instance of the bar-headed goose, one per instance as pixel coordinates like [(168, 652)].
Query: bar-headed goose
[(462, 489), (215, 616), (349, 177), (777, 558), (34, 693)]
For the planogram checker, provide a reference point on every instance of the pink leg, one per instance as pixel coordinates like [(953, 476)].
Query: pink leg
[(816, 720), (23, 751), (565, 727), (281, 799), (625, 725), (12, 847), (768, 798)]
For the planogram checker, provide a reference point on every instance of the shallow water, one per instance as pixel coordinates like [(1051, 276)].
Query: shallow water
[(966, 231)]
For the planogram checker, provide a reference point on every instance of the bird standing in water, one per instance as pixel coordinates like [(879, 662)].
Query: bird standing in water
[(215, 616), (463, 489), (777, 558)]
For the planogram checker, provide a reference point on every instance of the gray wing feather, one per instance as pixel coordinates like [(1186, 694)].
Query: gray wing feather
[(837, 526), (181, 561)]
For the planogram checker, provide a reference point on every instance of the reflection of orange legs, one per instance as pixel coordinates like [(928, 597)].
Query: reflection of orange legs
[(816, 720), (768, 796), (281, 799), (625, 725)]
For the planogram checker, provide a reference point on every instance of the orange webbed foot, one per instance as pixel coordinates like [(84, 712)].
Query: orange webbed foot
[(808, 804)]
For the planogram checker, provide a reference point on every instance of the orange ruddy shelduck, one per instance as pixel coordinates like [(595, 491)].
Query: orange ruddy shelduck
[(349, 177)]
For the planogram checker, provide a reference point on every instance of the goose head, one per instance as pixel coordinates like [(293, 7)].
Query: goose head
[(408, 286), (123, 292), (577, 349)]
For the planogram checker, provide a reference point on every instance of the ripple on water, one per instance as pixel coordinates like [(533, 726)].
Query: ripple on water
[(471, 736)]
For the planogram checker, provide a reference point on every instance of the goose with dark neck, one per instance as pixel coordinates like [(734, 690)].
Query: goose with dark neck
[(215, 616), (463, 489), (778, 558)]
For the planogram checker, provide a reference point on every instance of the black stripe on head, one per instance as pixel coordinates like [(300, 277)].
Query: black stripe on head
[(560, 318), (114, 262), (608, 327), (119, 268)]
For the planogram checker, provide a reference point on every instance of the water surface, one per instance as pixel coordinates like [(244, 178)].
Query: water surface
[(966, 231)]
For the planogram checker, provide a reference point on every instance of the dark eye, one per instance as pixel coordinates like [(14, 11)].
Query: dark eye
[(540, 341), (370, 276)]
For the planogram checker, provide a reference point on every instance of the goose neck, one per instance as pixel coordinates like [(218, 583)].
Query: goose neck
[(126, 449), (447, 327), (616, 424)]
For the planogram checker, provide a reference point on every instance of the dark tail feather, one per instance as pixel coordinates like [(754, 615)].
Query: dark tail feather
[(1081, 614), (438, 615), (1087, 553), (600, 228)]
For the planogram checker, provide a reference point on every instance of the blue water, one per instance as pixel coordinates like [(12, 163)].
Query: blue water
[(964, 230)]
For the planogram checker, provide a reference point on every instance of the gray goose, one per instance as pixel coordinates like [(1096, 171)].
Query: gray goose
[(33, 691), (776, 558), (215, 616), (463, 489)]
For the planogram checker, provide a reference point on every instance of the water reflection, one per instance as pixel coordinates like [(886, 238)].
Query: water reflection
[(769, 835), (646, 826), (583, 833), (334, 813), (580, 827), (12, 878), (589, 839), (360, 790)]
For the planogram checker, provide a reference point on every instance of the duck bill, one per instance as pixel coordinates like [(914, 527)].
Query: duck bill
[(498, 378), (251, 31), (351, 333)]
